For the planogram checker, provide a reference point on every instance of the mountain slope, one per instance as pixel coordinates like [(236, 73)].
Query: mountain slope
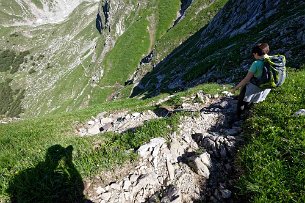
[(220, 51)]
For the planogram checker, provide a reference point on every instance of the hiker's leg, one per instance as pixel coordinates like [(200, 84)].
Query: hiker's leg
[(241, 104)]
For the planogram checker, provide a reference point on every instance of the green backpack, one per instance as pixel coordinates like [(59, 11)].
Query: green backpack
[(274, 72)]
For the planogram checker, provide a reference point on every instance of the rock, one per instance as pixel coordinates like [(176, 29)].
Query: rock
[(223, 152), (300, 112), (115, 186), (215, 96), (199, 167), (136, 114), (128, 116), (106, 127), (170, 169), (176, 149), (94, 130), (217, 194), (206, 159), (126, 185), (145, 150), (133, 178), (203, 98), (127, 196), (100, 190), (82, 131), (224, 104), (91, 122), (106, 120), (225, 193), (228, 94), (106, 196), (156, 151), (232, 132)]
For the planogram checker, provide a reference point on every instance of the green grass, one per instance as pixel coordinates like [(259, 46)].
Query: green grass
[(188, 26), (24, 146), (166, 16), (124, 58), (273, 159)]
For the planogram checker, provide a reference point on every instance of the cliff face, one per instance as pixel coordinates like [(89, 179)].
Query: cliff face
[(238, 17), (221, 51)]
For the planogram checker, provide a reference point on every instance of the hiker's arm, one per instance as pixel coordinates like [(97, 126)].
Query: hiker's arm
[(244, 81)]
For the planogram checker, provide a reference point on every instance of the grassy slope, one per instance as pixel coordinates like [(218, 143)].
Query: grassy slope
[(121, 62), (23, 144), (273, 158), (196, 17), (182, 38)]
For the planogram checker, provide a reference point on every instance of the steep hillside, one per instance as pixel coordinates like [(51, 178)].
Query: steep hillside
[(175, 140), (221, 51), (60, 62)]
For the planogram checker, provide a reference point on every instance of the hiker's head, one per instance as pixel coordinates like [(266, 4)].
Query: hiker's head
[(260, 49), (264, 47)]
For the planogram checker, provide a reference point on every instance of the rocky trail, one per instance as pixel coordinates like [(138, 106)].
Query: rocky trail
[(195, 165)]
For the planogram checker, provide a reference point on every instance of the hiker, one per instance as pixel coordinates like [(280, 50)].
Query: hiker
[(249, 92)]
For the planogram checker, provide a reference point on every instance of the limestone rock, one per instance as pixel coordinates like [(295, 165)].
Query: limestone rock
[(300, 112)]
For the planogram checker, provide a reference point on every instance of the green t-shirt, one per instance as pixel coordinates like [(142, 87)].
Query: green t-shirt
[(257, 68)]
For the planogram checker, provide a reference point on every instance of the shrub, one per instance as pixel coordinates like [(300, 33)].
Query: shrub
[(10, 100), (32, 71)]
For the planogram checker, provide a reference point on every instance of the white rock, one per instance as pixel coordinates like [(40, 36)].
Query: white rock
[(91, 122), (115, 186), (200, 167), (106, 120), (126, 185), (176, 149), (156, 151), (127, 196), (300, 112), (206, 159), (94, 130), (136, 114), (229, 94), (170, 169), (145, 150), (106, 196), (100, 190), (133, 178)]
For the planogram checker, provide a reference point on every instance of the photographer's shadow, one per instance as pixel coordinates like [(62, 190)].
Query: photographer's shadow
[(55, 180)]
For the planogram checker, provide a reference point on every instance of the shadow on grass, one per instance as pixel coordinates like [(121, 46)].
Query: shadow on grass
[(54, 180)]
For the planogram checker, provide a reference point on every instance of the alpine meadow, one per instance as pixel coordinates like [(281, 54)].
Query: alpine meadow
[(131, 101)]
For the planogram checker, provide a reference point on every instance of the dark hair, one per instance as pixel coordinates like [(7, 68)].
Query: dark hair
[(261, 49), (264, 47)]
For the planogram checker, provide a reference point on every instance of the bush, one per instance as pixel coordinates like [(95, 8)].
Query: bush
[(10, 100), (10, 60), (32, 71), (6, 60)]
